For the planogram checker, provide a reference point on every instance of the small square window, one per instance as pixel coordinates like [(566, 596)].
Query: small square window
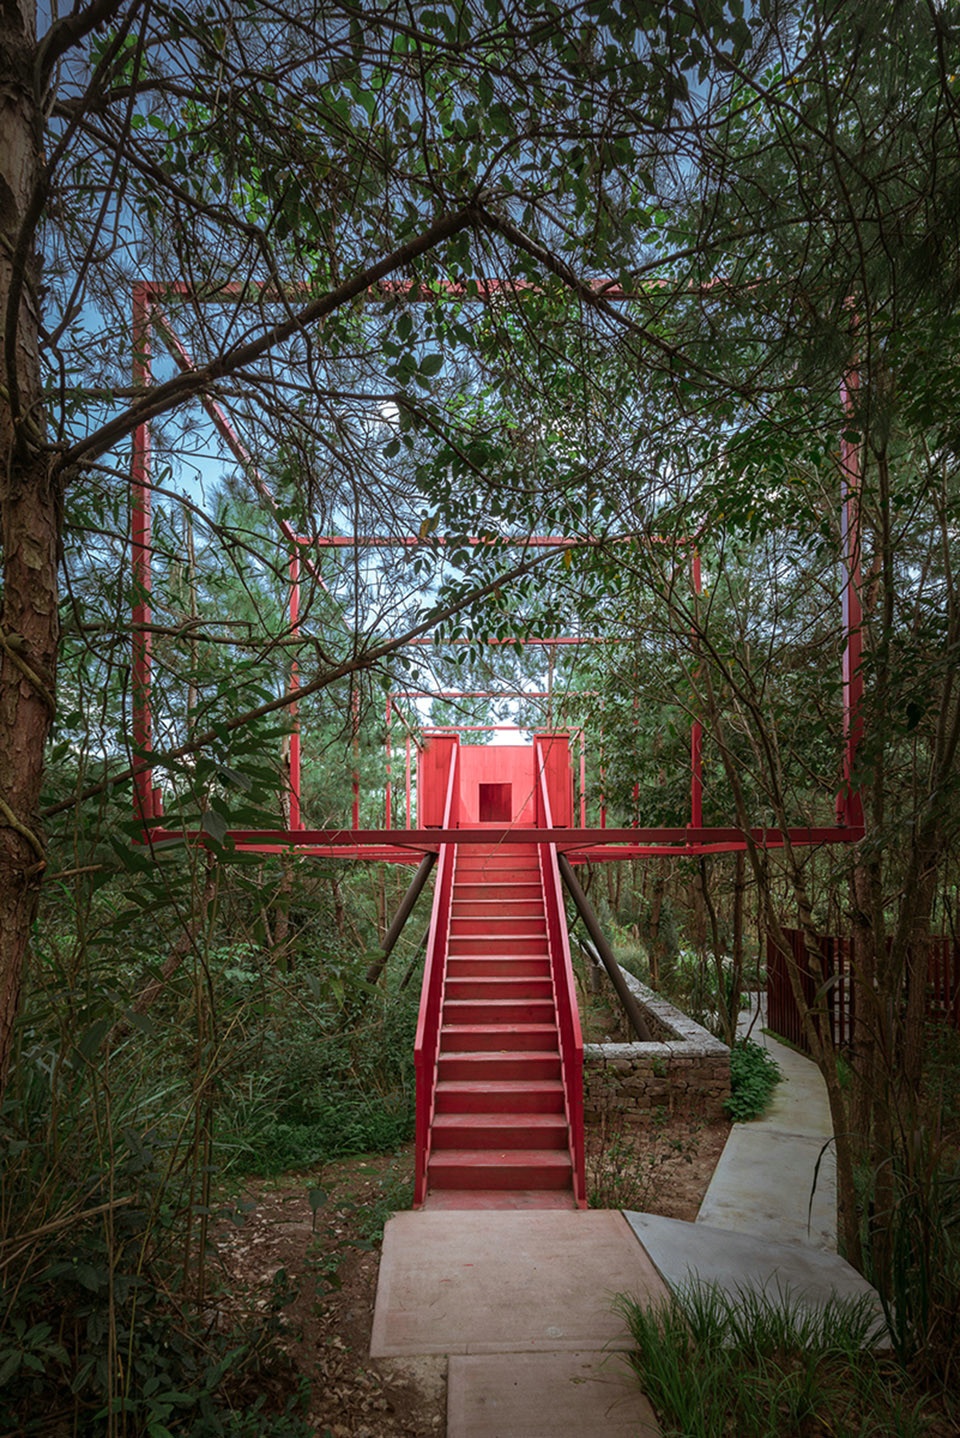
[(496, 803)]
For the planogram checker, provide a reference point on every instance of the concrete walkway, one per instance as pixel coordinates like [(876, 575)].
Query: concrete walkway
[(521, 1302), (777, 1176)]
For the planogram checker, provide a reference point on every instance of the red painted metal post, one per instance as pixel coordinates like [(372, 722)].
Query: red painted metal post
[(635, 794), (355, 745), (407, 782), (387, 796), (144, 798), (603, 775), (696, 728), (849, 801), (295, 810), (583, 779)]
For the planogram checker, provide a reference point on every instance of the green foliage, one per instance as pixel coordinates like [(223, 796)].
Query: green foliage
[(625, 1162), (713, 1363), (120, 1124), (754, 1074), (712, 411), (306, 1086)]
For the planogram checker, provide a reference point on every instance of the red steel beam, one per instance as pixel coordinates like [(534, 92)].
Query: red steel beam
[(148, 799), (281, 841)]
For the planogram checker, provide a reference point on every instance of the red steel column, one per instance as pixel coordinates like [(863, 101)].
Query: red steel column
[(602, 774), (409, 760), (296, 821), (141, 558), (583, 779), (696, 728), (387, 793)]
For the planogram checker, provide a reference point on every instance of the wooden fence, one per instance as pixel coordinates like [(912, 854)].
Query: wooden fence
[(837, 957)]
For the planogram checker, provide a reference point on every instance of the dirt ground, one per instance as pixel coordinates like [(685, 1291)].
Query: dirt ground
[(309, 1250)]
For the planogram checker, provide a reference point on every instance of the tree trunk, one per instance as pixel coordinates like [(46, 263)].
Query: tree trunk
[(29, 520)]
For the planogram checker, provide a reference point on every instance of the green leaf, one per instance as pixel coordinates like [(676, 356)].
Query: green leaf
[(215, 825), (90, 1041), (9, 1367)]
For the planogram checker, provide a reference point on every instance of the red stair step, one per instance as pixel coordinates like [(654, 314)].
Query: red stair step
[(486, 910), (510, 867), (498, 1011), (499, 1168), (499, 1096), (498, 925), (484, 891), (482, 966), (479, 1066), (466, 1038), (523, 1199), (499, 944), (494, 848), (501, 986), (499, 1130)]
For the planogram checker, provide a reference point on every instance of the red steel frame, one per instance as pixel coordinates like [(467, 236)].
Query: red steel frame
[(393, 707), (403, 846)]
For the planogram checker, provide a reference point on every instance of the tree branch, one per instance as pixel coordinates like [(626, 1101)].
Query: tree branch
[(164, 397), (65, 33), (359, 662)]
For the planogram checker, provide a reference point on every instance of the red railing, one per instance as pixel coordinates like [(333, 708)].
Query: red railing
[(427, 1041), (943, 980), (783, 1016), (838, 960), (564, 988)]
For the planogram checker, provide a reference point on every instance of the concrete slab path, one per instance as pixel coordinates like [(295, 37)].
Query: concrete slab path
[(486, 1282), (777, 1178), (522, 1304), (738, 1263), (543, 1395)]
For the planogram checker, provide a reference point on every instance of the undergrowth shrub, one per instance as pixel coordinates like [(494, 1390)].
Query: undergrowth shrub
[(626, 1163), (117, 1129), (311, 1084), (912, 1251), (754, 1074), (107, 1321)]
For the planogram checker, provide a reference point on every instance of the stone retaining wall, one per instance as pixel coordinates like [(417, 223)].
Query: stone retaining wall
[(685, 1070)]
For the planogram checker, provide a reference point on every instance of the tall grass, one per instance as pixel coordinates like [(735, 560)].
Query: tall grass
[(117, 1134), (714, 1364)]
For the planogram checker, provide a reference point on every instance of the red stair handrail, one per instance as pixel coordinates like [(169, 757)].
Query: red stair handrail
[(427, 1042), (565, 990)]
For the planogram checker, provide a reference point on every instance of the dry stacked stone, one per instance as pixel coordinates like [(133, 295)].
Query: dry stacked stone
[(685, 1070)]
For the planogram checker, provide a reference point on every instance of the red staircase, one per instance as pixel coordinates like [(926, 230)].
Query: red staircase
[(500, 1120), (499, 1055)]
